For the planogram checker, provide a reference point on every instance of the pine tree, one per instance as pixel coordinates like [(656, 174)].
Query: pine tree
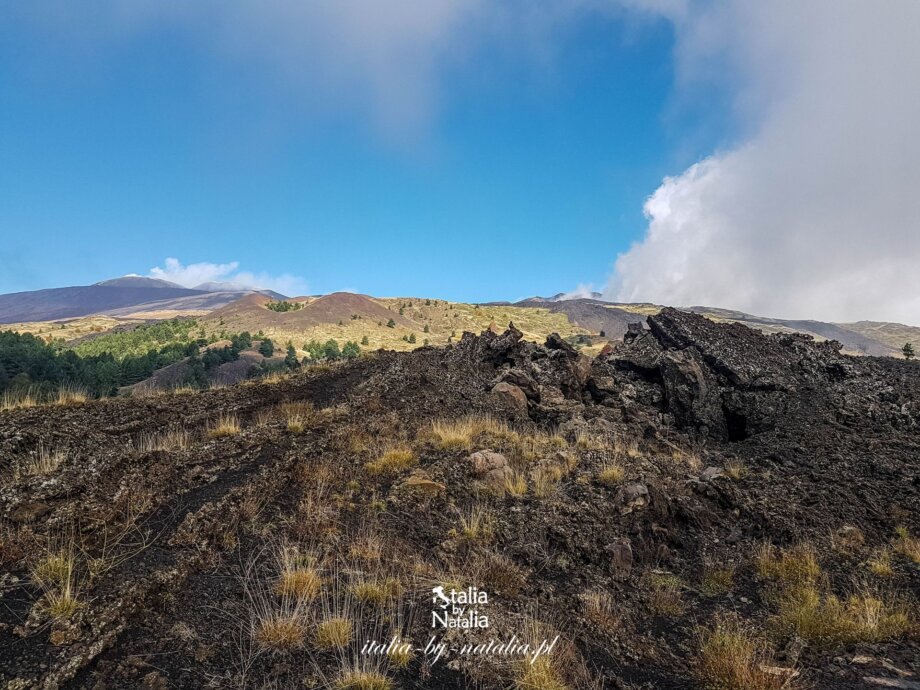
[(391, 324), (290, 359), (331, 350), (908, 351), (411, 338), (350, 350), (365, 341)]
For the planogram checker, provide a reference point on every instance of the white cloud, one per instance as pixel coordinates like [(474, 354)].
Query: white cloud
[(192, 275), (816, 213), (582, 290)]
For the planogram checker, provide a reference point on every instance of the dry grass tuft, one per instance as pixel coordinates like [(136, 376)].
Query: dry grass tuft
[(717, 579), (611, 474), (280, 631), (226, 425), (456, 434), (376, 590), (880, 563), (665, 594), (295, 424), (18, 399), (300, 583), (368, 549), (515, 484), (55, 576), (735, 470), (476, 525), (355, 679), (599, 607), (796, 564), (586, 440), (71, 395), (541, 674), (297, 415), (298, 578), (545, 480), (822, 618), (906, 545), (174, 439), (275, 377), (392, 461), (334, 633), (45, 462), (733, 657), (400, 656), (184, 390), (689, 458)]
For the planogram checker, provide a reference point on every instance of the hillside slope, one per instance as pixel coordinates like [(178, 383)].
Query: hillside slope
[(699, 477)]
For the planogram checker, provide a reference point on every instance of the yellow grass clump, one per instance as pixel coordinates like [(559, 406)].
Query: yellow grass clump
[(45, 462), (612, 474), (717, 579), (225, 425), (907, 545), (376, 591), (795, 564), (392, 461), (734, 470), (476, 525), (17, 399), (880, 563), (173, 439), (334, 633), (280, 632), (515, 484), (539, 674), (55, 576), (822, 618), (355, 679), (71, 395), (733, 657)]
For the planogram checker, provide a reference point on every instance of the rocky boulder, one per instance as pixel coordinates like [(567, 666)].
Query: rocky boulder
[(510, 396)]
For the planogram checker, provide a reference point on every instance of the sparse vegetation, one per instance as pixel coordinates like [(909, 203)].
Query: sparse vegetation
[(515, 484), (611, 474), (168, 441), (600, 608), (665, 594), (734, 657), (539, 674), (819, 617), (734, 470), (376, 590), (356, 679), (392, 461), (476, 524), (284, 306), (225, 425), (880, 563), (907, 545), (796, 564), (71, 395), (45, 461), (717, 579), (334, 633), (280, 632)]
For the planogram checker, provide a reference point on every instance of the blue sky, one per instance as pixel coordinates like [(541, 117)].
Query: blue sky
[(513, 167)]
